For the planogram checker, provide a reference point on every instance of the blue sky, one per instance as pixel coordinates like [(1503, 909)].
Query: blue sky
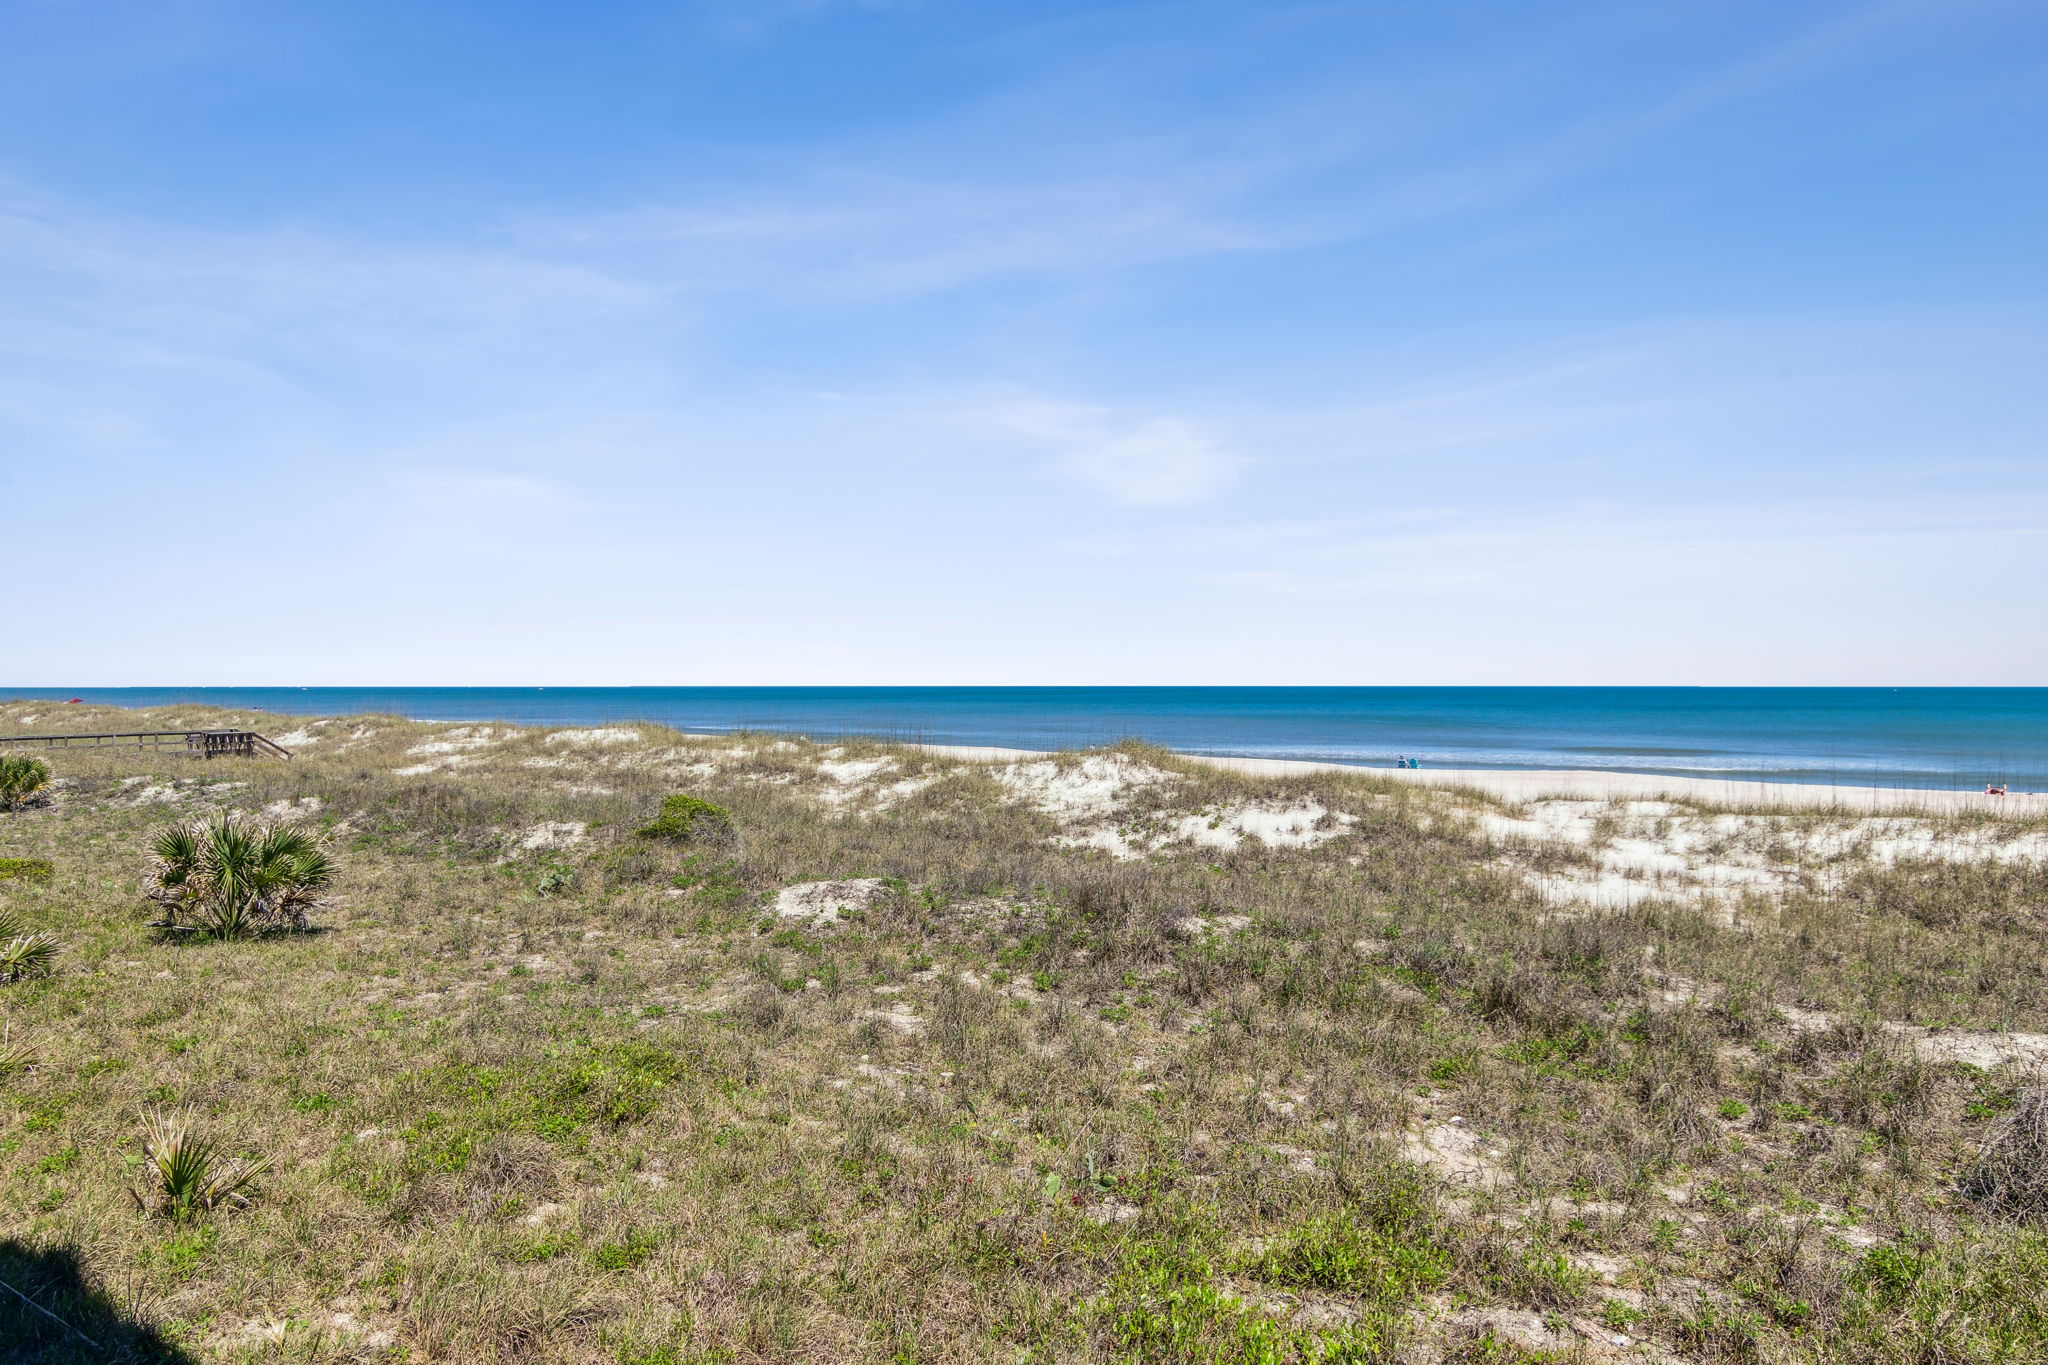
[(786, 341)]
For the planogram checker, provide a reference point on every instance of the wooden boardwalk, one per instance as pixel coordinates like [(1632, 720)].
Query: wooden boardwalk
[(211, 743)]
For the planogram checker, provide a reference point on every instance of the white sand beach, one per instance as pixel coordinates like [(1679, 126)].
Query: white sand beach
[(1581, 784)]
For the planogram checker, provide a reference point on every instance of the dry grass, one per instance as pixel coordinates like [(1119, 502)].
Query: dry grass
[(2011, 1173), (1072, 1077)]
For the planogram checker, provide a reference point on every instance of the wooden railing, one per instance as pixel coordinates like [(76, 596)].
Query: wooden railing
[(240, 743)]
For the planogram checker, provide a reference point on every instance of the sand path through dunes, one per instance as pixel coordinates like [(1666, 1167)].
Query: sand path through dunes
[(1578, 784)]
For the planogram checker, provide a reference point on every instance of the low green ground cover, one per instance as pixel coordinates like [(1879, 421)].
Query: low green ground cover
[(1361, 1100)]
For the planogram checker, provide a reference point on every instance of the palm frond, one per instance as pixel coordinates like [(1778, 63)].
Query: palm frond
[(188, 1173), (20, 778), (27, 955), (176, 850), (16, 1054)]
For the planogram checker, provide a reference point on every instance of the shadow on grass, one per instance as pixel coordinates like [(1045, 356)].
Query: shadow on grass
[(50, 1314), (194, 937)]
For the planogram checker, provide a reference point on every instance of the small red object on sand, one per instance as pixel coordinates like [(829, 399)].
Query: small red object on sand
[(1990, 790), (74, 701)]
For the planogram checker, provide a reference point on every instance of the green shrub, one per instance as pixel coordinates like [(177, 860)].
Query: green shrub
[(1163, 1305), (1346, 1253), (714, 883), (1388, 1246), (685, 818), (540, 1249), (27, 869), (21, 777), (182, 1252), (235, 877), (633, 1250), (1970, 1297)]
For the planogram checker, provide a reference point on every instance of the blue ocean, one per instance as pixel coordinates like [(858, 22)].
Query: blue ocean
[(1916, 737)]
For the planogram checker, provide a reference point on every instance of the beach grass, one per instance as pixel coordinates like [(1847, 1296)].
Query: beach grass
[(1060, 1075)]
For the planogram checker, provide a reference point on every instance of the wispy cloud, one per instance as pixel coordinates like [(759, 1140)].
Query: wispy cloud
[(855, 237), (910, 213), (1128, 286), (1152, 461)]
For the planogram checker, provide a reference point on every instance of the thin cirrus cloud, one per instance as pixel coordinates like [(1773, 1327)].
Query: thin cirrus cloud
[(851, 237), (1157, 462), (207, 286), (1145, 462)]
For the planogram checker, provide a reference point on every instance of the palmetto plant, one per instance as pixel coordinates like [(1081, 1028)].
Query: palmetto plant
[(234, 877), (23, 954), (185, 1173), (21, 777)]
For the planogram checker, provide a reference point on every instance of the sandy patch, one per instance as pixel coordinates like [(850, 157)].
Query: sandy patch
[(1277, 824), (1894, 840), (602, 735), (853, 771), (1196, 927), (445, 763), (462, 739), (1604, 787), (852, 784), (303, 808), (823, 903), (552, 834), (1111, 1211), (1985, 1049), (1644, 850), (1116, 843), (1091, 789), (899, 1018), (885, 797), (1456, 1153), (1598, 891)]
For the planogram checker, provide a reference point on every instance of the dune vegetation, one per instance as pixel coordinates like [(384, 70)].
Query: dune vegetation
[(478, 1043)]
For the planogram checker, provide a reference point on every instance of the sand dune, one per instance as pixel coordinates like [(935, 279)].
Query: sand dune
[(1580, 784)]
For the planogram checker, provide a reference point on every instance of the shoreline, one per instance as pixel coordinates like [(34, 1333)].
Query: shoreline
[(1508, 784), (1582, 784)]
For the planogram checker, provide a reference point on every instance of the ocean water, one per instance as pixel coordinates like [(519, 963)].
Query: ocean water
[(1914, 737)]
